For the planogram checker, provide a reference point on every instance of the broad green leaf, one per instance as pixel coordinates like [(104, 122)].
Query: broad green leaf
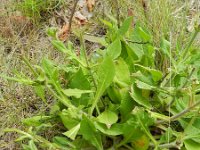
[(89, 132), (70, 117), (105, 75), (122, 71), (78, 78), (72, 132), (114, 95), (108, 117), (131, 132), (95, 39), (125, 26), (144, 35), (191, 145), (143, 85), (127, 104), (36, 120), (114, 130), (114, 49), (131, 52), (165, 47), (156, 74), (32, 145), (75, 92), (136, 94)]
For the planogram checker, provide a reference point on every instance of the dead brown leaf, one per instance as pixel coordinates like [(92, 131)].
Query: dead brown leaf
[(90, 5), (80, 19), (63, 34)]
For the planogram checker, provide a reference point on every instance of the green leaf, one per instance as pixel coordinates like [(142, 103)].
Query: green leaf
[(114, 49), (125, 26), (78, 78), (90, 133), (127, 104), (144, 35), (136, 94), (72, 132), (165, 47), (36, 120), (191, 145), (52, 32), (75, 92), (114, 95), (95, 39), (40, 91), (156, 74), (32, 145), (122, 71), (105, 76), (114, 130), (63, 142), (108, 117), (143, 85), (59, 46), (69, 118)]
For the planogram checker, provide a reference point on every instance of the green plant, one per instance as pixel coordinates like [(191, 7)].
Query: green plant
[(116, 98), (37, 9)]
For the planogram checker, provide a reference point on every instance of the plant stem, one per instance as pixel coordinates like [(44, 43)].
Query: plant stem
[(189, 44), (190, 75), (148, 134), (169, 145), (177, 116), (86, 59), (72, 15), (29, 65), (118, 13)]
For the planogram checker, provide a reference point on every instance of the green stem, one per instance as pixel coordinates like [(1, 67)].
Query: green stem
[(86, 60), (177, 116), (186, 51), (148, 134), (29, 65), (183, 86)]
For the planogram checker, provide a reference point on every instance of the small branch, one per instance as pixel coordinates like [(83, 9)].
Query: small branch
[(169, 145), (177, 116), (72, 15)]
